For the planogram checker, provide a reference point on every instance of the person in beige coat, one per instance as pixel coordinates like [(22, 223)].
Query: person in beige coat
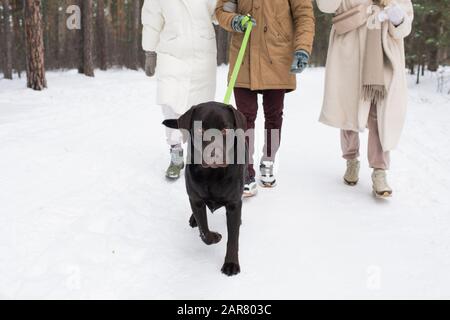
[(365, 84)]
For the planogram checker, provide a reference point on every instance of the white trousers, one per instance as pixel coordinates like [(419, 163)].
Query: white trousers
[(173, 136)]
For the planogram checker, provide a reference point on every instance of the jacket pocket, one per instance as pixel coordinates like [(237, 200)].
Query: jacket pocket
[(278, 30), (278, 49), (170, 32), (269, 55)]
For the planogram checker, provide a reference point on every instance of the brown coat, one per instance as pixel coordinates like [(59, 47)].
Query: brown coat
[(283, 26)]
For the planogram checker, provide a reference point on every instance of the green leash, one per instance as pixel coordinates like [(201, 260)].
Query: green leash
[(237, 67)]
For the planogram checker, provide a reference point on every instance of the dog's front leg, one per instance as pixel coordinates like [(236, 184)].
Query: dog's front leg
[(199, 212), (231, 266)]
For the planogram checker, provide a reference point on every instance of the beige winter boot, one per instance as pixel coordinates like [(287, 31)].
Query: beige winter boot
[(351, 176), (381, 188)]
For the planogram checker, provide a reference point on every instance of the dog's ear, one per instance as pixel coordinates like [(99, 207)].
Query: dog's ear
[(185, 121), (172, 123), (239, 118)]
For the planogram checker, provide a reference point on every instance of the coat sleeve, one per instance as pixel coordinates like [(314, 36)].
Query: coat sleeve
[(328, 6), (304, 24), (223, 16), (212, 9), (403, 30), (153, 23)]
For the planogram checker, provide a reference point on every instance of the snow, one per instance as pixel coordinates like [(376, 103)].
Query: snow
[(85, 211)]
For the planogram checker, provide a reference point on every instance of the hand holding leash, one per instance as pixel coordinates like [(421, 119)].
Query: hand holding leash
[(240, 23), (248, 22)]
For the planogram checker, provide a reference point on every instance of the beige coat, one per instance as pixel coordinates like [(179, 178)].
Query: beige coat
[(343, 107), (283, 26)]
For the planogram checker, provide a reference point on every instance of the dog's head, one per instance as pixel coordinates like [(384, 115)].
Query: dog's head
[(212, 129)]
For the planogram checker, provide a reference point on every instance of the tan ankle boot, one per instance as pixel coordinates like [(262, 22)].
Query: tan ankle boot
[(351, 176), (381, 188)]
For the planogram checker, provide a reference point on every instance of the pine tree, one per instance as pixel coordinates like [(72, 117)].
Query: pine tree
[(135, 48), (88, 38), (101, 35), (34, 45), (8, 39)]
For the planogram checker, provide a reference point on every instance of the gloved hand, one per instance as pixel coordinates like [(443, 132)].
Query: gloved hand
[(240, 23), (394, 13), (150, 63), (301, 60)]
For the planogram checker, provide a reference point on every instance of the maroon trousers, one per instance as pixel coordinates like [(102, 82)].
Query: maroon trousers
[(273, 103)]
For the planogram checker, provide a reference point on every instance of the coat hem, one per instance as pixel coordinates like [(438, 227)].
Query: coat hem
[(339, 126), (288, 88)]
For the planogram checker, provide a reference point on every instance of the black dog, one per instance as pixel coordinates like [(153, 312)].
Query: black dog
[(215, 182)]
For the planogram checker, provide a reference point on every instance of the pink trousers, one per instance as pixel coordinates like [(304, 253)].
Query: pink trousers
[(378, 159)]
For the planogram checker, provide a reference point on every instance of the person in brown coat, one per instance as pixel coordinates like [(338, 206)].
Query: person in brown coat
[(279, 48)]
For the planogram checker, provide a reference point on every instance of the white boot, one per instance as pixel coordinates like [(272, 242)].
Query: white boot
[(176, 162), (351, 176), (381, 188)]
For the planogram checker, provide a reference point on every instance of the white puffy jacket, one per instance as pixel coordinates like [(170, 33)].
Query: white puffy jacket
[(182, 34)]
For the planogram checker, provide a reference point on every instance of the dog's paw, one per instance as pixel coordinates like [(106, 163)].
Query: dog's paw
[(211, 238), (193, 222), (231, 269)]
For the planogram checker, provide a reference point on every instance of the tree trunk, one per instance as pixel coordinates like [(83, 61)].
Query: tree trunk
[(433, 32), (88, 38), (34, 45), (7, 68), (78, 41), (135, 23), (110, 40), (418, 73), (101, 35), (51, 13), (433, 61), (121, 39), (61, 38), (19, 56)]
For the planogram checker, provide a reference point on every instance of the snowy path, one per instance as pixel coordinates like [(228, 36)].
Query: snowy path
[(86, 213)]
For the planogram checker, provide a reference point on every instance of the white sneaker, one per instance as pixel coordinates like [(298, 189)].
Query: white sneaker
[(250, 188), (381, 188), (267, 178), (351, 176)]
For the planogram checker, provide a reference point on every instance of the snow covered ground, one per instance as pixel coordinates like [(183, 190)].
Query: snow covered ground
[(85, 211)]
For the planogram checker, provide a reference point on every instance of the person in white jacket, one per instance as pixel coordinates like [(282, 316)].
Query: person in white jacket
[(365, 84), (179, 41)]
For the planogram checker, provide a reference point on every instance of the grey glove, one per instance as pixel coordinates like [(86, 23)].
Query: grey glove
[(238, 23), (150, 63), (301, 60)]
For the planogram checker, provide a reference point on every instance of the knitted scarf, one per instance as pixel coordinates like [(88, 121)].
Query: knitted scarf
[(373, 86)]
